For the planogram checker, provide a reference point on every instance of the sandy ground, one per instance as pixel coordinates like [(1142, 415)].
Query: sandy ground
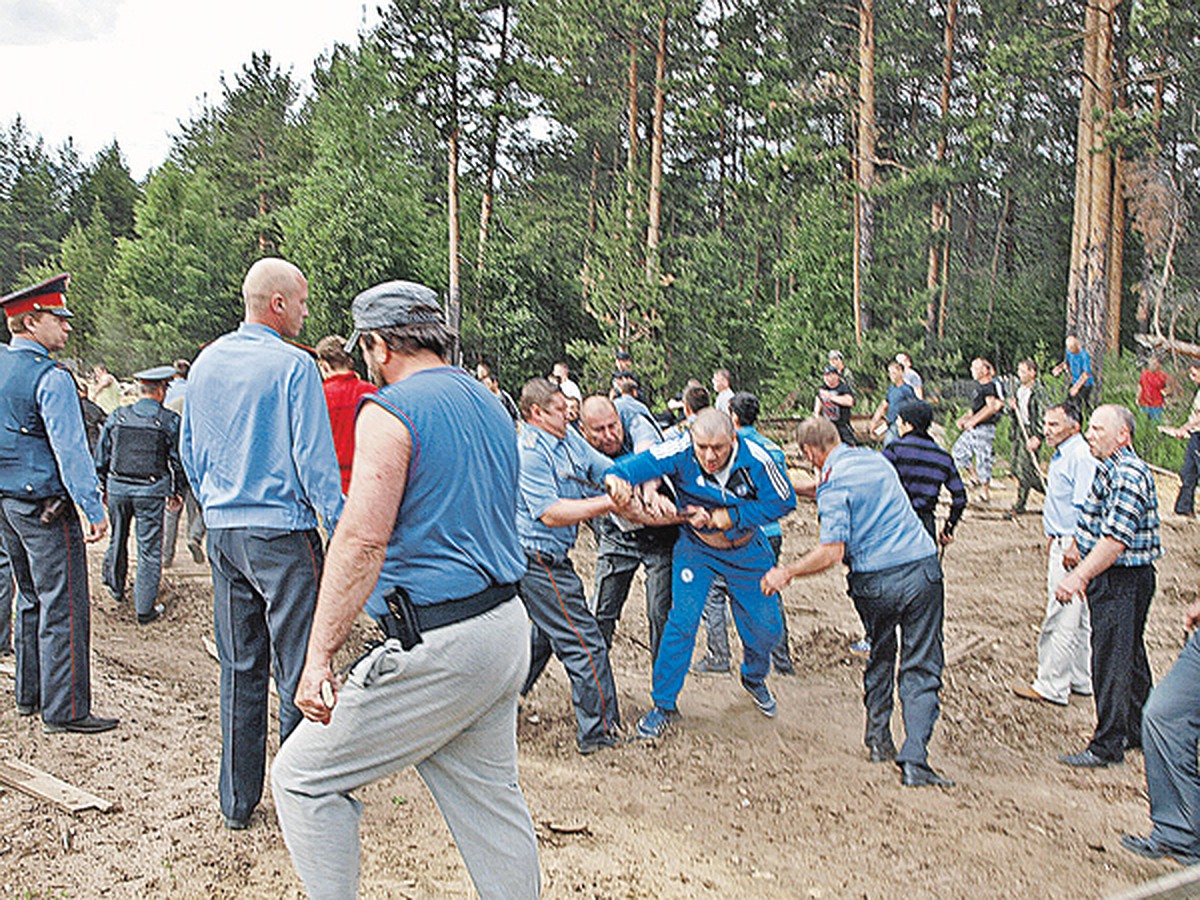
[(728, 804)]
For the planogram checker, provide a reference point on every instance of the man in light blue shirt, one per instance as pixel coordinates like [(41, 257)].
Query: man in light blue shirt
[(895, 579), (557, 466), (258, 451), (1065, 642)]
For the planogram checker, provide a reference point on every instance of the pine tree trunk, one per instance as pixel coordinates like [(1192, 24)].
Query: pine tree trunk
[(487, 201), (454, 301), (632, 124), (656, 155), (939, 224), (865, 169)]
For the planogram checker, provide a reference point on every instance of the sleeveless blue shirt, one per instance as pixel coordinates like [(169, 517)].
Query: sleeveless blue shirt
[(455, 532)]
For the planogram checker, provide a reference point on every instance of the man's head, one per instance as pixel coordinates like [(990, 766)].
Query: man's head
[(904, 359), (1109, 429), (713, 437), (896, 373), (837, 360), (152, 383), (981, 370), (602, 425), (1027, 371), (744, 407), (1060, 423), (817, 437), (491, 383), (627, 384), (543, 405), (182, 367), (560, 372), (695, 398), (915, 416), (39, 313), (721, 380), (398, 320), (276, 295), (1073, 345), (1153, 363), (831, 376), (332, 356)]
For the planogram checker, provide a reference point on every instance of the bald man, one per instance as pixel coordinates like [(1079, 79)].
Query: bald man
[(728, 488), (257, 447)]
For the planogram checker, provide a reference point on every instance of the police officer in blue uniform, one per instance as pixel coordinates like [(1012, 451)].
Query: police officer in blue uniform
[(44, 466), (137, 460)]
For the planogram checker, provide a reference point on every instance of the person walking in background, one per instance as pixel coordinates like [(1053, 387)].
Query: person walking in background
[(722, 385), (343, 389), (898, 394), (911, 377), (1078, 363), (835, 400), (106, 393), (1189, 473), (979, 427), (924, 468), (258, 451), (1028, 408), (175, 399)]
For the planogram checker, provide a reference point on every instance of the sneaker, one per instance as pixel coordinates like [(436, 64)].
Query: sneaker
[(153, 616), (863, 646), (587, 748), (709, 666), (762, 697), (654, 724)]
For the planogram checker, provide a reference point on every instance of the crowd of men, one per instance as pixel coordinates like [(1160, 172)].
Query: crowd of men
[(319, 495)]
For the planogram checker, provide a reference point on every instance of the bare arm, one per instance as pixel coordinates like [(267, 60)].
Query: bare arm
[(818, 559), (1099, 558), (572, 512), (382, 450)]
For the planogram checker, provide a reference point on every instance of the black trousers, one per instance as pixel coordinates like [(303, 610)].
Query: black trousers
[(1119, 599)]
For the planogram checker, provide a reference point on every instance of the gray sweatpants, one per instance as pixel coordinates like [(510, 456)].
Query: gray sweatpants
[(448, 707)]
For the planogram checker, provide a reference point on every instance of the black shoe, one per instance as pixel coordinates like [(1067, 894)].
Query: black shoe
[(237, 824), (587, 748), (917, 775), (786, 669), (117, 596), (153, 616), (32, 709), (882, 752), (86, 725), (1086, 759), (1151, 848), (197, 551)]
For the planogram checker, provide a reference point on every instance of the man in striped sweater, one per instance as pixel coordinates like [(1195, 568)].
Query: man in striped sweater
[(924, 468)]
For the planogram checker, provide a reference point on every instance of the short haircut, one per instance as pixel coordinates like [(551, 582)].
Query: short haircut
[(331, 350), (918, 414), (182, 367), (895, 365), (817, 431), (696, 398), (1029, 363), (711, 422), (726, 374), (1123, 416), (1070, 409), (537, 392), (411, 339), (626, 382), (745, 406)]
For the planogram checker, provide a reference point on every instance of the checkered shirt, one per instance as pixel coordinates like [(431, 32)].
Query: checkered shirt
[(1122, 505)]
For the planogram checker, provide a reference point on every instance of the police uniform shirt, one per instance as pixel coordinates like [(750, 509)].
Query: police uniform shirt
[(548, 468)]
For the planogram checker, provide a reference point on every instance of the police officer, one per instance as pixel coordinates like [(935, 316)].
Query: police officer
[(46, 466), (258, 451), (137, 459), (895, 580)]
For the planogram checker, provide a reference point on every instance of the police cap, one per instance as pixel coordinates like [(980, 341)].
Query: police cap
[(49, 296), (158, 373)]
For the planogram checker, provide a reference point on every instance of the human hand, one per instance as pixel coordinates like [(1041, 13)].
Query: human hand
[(945, 539), (698, 516), (775, 580), (1070, 558), (1073, 392), (174, 504), (619, 489), (962, 423), (316, 692), (96, 531), (1032, 445), (1192, 616), (721, 519), (1071, 586)]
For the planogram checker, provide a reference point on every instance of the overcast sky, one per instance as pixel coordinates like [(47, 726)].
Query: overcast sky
[(96, 70)]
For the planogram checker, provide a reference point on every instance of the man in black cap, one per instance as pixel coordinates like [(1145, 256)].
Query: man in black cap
[(834, 401), (924, 468), (46, 466), (137, 460)]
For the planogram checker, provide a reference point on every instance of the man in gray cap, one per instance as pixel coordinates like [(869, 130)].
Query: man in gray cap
[(258, 451), (137, 461), (428, 544), (47, 466)]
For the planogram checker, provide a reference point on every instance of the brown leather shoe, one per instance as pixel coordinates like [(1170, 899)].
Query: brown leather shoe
[(1025, 692)]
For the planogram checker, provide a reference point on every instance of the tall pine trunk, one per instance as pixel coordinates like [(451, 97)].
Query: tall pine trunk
[(939, 221), (656, 155), (864, 220)]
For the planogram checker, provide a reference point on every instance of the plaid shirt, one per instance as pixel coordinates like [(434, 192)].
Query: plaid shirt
[(1122, 505)]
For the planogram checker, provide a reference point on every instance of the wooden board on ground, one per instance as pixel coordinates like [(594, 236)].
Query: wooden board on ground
[(45, 786), (1176, 886)]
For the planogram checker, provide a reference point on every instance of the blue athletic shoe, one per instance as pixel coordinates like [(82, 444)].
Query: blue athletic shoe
[(654, 724), (762, 697)]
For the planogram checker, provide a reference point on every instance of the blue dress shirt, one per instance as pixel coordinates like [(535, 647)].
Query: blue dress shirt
[(862, 504), (1068, 481), (255, 438), (549, 466)]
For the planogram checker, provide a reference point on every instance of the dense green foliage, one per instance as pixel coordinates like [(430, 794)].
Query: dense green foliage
[(753, 269)]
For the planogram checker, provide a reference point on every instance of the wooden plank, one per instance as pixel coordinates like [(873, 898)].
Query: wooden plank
[(1175, 886), (45, 786)]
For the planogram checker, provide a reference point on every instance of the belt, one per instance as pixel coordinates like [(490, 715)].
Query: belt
[(439, 615), (718, 541)]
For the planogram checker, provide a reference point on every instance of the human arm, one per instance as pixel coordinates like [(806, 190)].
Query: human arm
[(313, 454), (1192, 616), (818, 559), (1099, 558), (382, 449), (991, 405), (879, 414), (58, 406)]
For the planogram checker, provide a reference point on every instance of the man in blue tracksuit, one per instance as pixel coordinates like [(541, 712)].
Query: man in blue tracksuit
[(728, 488)]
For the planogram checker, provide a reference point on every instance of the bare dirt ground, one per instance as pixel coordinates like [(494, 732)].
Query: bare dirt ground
[(729, 804)]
